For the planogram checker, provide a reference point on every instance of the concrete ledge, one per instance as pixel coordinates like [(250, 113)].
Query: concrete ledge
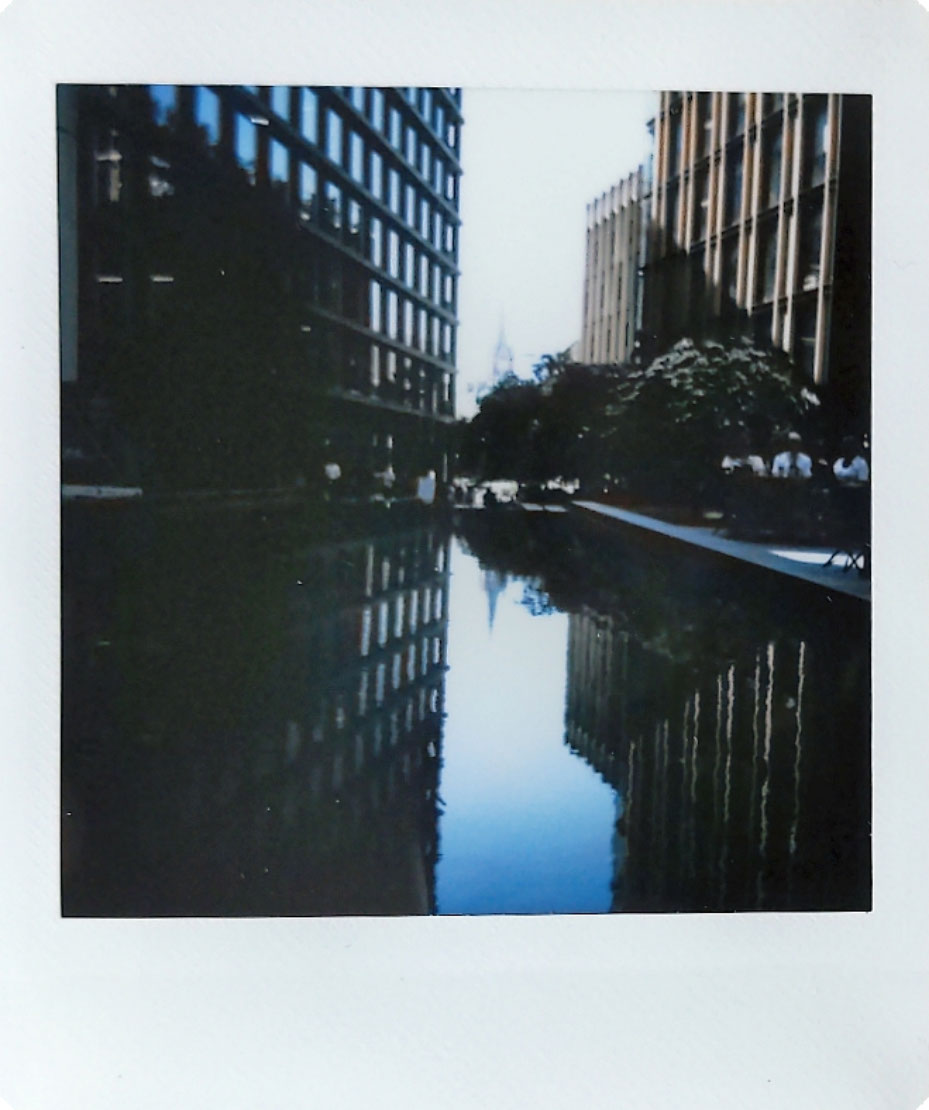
[(784, 560)]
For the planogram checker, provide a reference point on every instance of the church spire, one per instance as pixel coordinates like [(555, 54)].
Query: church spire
[(503, 357)]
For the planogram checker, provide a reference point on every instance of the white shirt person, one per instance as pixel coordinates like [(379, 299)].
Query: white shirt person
[(851, 466), (794, 462)]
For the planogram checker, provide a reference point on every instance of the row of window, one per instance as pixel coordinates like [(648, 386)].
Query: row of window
[(770, 253), (400, 319), (324, 127), (403, 379), (815, 136), (371, 102), (324, 202), (813, 173)]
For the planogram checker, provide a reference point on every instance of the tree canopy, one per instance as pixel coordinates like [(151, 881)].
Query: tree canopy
[(659, 429)]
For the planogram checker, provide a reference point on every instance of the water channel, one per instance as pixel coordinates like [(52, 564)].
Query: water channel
[(524, 715)]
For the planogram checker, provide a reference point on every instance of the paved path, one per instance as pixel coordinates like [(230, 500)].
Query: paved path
[(805, 563)]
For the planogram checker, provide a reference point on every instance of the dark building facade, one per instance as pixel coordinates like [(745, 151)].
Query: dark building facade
[(256, 281)]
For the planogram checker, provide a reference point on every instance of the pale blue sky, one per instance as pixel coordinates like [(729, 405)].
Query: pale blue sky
[(532, 161)]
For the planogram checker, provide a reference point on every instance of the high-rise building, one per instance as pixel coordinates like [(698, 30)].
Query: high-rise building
[(759, 223), (611, 280), (257, 279)]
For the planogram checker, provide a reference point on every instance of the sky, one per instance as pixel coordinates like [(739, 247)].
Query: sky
[(532, 161)]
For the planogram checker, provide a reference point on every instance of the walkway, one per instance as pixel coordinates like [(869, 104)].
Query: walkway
[(805, 563)]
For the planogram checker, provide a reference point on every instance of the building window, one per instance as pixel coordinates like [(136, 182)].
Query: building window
[(730, 270), (354, 221), (377, 172), (425, 162), (391, 315), (411, 146), (334, 136), (332, 206), (393, 192), (375, 232), (206, 113), (409, 207), (733, 198), (280, 101), (396, 129), (374, 306), (393, 254), (805, 337), (356, 96), (815, 144), (409, 265), (408, 323), (811, 233), (377, 109), (424, 217), (309, 115), (772, 153), (279, 162), (164, 102), (308, 187), (736, 114), (356, 157), (768, 254), (704, 124), (701, 204), (675, 142), (670, 215), (770, 102), (246, 144)]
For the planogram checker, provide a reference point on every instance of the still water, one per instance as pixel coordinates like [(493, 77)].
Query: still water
[(524, 717)]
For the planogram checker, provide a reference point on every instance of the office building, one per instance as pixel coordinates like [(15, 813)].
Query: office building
[(612, 303), (759, 223), (257, 280)]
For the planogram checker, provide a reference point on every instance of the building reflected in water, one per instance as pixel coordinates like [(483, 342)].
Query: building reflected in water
[(267, 744), (735, 789)]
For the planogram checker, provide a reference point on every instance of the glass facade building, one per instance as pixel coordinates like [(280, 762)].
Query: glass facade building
[(298, 244)]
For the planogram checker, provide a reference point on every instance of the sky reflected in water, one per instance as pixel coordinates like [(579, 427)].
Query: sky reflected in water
[(527, 826)]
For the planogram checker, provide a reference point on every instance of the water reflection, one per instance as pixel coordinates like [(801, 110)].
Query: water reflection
[(250, 731), (728, 711), (529, 718)]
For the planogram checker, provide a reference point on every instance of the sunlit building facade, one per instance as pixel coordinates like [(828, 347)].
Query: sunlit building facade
[(304, 238), (759, 223), (612, 289)]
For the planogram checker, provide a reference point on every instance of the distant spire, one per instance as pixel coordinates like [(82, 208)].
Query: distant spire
[(503, 356)]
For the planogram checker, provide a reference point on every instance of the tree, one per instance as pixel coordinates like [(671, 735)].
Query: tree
[(669, 423)]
